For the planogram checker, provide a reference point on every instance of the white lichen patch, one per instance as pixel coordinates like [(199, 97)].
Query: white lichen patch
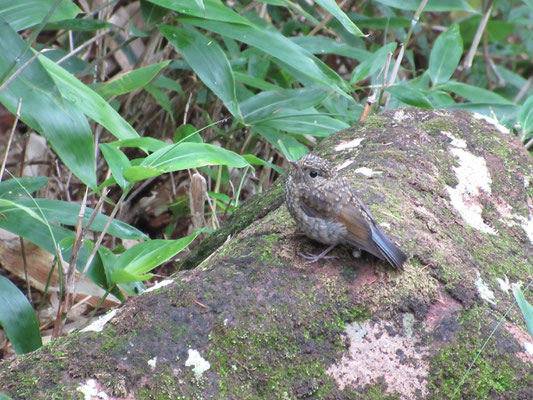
[(455, 142), (494, 122), (344, 145), (376, 356), (473, 177), (343, 165), (90, 390), (527, 226), (528, 346), (367, 172), (483, 289), (152, 362), (400, 115), (504, 283), (197, 362), (159, 285), (99, 324), (510, 219)]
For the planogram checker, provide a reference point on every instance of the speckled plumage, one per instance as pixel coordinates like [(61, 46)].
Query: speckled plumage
[(326, 210)]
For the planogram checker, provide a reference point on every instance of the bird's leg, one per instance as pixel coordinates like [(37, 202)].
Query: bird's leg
[(311, 258)]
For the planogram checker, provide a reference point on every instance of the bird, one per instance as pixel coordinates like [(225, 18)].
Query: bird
[(328, 211)]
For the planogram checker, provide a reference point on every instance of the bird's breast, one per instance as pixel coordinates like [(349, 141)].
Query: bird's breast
[(322, 230)]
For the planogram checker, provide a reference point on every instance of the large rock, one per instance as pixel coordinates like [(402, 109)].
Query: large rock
[(253, 322)]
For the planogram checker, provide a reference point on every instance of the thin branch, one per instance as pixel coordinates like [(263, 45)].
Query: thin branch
[(82, 46), (399, 59), (467, 64), (17, 116), (21, 69)]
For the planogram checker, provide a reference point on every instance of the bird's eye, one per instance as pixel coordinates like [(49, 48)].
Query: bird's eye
[(313, 173)]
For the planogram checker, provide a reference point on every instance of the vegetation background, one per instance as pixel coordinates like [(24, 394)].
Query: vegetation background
[(130, 128)]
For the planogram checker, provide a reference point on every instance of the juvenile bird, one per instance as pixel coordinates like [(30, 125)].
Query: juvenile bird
[(326, 209)]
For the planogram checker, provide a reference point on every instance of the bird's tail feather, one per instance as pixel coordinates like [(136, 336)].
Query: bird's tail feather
[(389, 250)]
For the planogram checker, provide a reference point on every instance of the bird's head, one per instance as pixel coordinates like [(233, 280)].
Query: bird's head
[(313, 170)]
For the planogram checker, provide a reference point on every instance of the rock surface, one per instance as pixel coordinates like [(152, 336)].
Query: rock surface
[(252, 322)]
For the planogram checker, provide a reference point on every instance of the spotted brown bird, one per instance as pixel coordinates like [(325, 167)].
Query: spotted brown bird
[(326, 210)]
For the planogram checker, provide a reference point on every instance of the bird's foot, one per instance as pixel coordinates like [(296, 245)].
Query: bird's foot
[(312, 258)]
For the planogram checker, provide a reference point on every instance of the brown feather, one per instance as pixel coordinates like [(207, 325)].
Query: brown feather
[(359, 231)]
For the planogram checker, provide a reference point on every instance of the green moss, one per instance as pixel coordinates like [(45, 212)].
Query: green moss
[(499, 262), (111, 339), (242, 352), (373, 122), (377, 392), (493, 372), (266, 249), (437, 125), (298, 342)]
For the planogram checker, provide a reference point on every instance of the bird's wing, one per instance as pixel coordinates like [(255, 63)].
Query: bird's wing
[(359, 230), (317, 204), (387, 249), (338, 206)]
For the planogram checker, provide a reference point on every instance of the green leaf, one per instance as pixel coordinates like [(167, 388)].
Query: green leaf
[(183, 156), (79, 25), (525, 118), (62, 212), (162, 99), (410, 96), (432, 5), (148, 143), (304, 122), (152, 13), (109, 262), (332, 7), (474, 94), (264, 104), (187, 133), (525, 307), (22, 14), (9, 206), (372, 63), (96, 272), (131, 80), (140, 173), (88, 101), (445, 55), (44, 109), (193, 155), (254, 160), (254, 82), (380, 23), (18, 318), (201, 5), (31, 226), (117, 161), (166, 83), (208, 61), (324, 45), (143, 257), (274, 43), (213, 10), (286, 144), (11, 189)]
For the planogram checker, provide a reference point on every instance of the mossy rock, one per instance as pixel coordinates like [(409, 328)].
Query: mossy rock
[(251, 321)]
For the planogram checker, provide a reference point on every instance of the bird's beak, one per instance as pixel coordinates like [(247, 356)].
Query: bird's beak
[(294, 164)]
